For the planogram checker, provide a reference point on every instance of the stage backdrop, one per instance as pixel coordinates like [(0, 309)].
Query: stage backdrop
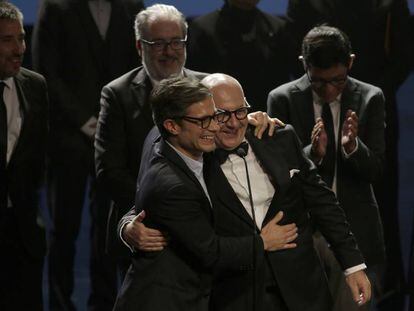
[(190, 8)]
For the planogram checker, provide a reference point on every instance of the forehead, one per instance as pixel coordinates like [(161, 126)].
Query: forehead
[(163, 27), (228, 96), (10, 27), (331, 72), (201, 108)]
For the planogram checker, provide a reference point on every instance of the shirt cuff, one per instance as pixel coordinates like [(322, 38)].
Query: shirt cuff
[(131, 248), (354, 269), (348, 155)]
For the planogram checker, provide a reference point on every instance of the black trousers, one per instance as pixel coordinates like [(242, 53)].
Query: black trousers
[(20, 272), (68, 179)]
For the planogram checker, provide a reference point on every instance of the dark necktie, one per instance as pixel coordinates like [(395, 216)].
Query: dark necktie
[(3, 128), (328, 163), (222, 154), (3, 148)]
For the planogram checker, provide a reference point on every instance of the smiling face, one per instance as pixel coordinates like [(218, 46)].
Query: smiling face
[(229, 96), (167, 62), (12, 47), (189, 137)]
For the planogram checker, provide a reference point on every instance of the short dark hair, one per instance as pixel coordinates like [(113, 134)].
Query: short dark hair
[(10, 11), (171, 98), (325, 46)]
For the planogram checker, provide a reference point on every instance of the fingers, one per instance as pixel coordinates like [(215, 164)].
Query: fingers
[(278, 217), (289, 245), (140, 217), (360, 287), (272, 126), (263, 122)]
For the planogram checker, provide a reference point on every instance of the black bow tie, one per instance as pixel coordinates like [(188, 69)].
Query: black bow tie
[(223, 154)]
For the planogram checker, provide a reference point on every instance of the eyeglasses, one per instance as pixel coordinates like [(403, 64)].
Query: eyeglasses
[(218, 117), (319, 83), (240, 113), (160, 45)]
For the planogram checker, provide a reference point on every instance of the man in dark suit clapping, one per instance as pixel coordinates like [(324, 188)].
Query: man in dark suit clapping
[(340, 121)]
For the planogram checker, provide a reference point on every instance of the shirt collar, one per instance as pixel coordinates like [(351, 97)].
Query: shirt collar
[(319, 101), (8, 82), (195, 166)]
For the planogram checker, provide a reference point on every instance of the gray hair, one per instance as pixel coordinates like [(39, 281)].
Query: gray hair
[(10, 11), (156, 11)]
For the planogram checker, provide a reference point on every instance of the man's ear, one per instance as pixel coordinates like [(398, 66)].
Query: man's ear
[(301, 59), (138, 46), (351, 61), (172, 127)]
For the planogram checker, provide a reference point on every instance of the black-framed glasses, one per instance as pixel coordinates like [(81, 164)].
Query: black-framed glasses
[(240, 113), (159, 45), (204, 123), (319, 83)]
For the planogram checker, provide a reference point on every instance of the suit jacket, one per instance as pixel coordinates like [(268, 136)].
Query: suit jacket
[(293, 103), (179, 277), (251, 46), (69, 51), (24, 173), (302, 196), (124, 121)]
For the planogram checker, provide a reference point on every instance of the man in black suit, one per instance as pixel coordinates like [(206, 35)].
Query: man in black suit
[(241, 40), (174, 194), (384, 61), (125, 116), (284, 184), (23, 135), (80, 46), (340, 121)]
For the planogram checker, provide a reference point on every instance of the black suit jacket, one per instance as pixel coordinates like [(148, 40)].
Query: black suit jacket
[(293, 103), (303, 196), (24, 174), (69, 51), (179, 277), (124, 121)]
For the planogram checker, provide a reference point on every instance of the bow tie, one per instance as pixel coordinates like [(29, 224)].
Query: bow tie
[(222, 154)]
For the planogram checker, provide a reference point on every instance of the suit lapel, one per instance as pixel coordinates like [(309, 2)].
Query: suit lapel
[(162, 148), (20, 84), (351, 97), (141, 89), (302, 101), (274, 165), (224, 192)]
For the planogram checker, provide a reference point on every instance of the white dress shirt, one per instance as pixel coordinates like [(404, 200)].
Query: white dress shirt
[(336, 118), (101, 13), (262, 189), (14, 118)]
